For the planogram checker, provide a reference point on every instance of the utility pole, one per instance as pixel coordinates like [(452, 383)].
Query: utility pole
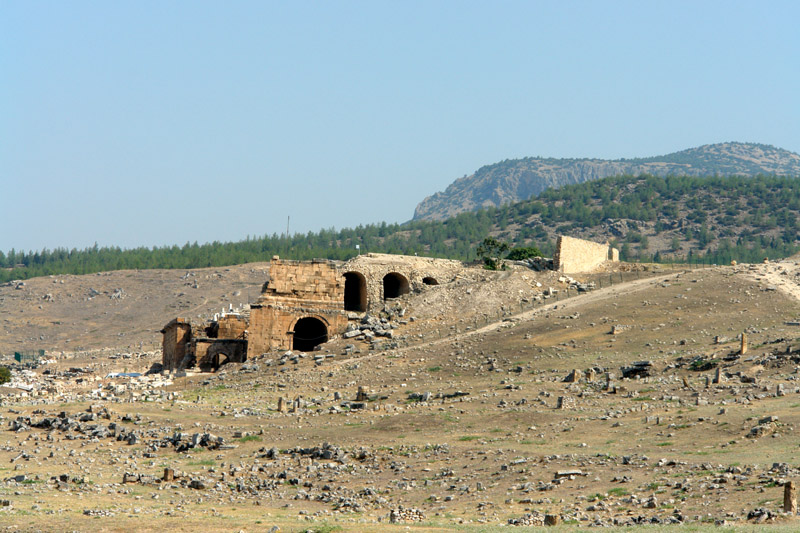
[(287, 235)]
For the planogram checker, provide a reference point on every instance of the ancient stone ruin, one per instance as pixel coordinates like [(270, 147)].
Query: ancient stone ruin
[(306, 303), (577, 255), (206, 347), (302, 305)]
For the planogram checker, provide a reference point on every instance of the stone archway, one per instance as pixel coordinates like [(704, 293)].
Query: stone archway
[(355, 292), (309, 332), (220, 359), (395, 285)]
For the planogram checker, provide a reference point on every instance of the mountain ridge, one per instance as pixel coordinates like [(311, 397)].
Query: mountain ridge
[(513, 180)]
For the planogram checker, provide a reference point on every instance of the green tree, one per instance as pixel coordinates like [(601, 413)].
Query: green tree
[(5, 375), (491, 252)]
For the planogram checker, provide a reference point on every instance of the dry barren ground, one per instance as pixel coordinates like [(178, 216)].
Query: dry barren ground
[(466, 425), (122, 309)]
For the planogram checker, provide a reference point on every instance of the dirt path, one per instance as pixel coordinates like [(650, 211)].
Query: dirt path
[(575, 301), (588, 297), (782, 275)]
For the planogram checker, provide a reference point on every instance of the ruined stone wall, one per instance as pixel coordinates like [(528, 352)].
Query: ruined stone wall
[(211, 353), (177, 334), (577, 255), (296, 289), (231, 327), (316, 280), (272, 325), (374, 267), (265, 330), (312, 289)]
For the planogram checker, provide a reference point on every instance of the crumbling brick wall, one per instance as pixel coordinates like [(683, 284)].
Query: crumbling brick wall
[(577, 255)]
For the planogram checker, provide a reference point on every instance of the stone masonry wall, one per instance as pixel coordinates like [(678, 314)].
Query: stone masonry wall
[(316, 280), (296, 289), (375, 266), (272, 325), (211, 352), (300, 289), (176, 334), (313, 289), (231, 327), (577, 255)]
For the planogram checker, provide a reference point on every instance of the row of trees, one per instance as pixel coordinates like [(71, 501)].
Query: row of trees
[(716, 218)]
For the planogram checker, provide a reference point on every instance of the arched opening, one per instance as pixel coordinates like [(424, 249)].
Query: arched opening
[(394, 285), (220, 359), (309, 332), (355, 292), (430, 281)]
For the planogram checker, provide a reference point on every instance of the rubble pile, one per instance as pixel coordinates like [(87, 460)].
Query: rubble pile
[(370, 327), (401, 514), (530, 519)]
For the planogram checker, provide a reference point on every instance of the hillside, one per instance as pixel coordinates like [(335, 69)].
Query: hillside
[(628, 405), (673, 218), (684, 218), (123, 309), (519, 179)]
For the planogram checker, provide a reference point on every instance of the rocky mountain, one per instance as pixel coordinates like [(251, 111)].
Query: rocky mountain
[(513, 180)]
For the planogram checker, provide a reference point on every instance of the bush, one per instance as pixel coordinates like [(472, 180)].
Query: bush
[(5, 375), (521, 253)]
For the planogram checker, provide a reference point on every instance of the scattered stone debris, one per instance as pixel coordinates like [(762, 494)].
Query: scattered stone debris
[(401, 514), (616, 329), (761, 515), (638, 369), (98, 512), (533, 518), (217, 442)]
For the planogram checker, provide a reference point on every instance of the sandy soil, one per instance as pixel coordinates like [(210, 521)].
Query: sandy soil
[(464, 428)]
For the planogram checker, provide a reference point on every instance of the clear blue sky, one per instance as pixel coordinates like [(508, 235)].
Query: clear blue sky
[(147, 123)]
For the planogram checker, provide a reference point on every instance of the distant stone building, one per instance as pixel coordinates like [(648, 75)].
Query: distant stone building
[(300, 308), (175, 343), (304, 304)]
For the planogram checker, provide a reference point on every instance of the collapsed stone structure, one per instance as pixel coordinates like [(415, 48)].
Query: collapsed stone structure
[(206, 347), (302, 305), (306, 303)]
